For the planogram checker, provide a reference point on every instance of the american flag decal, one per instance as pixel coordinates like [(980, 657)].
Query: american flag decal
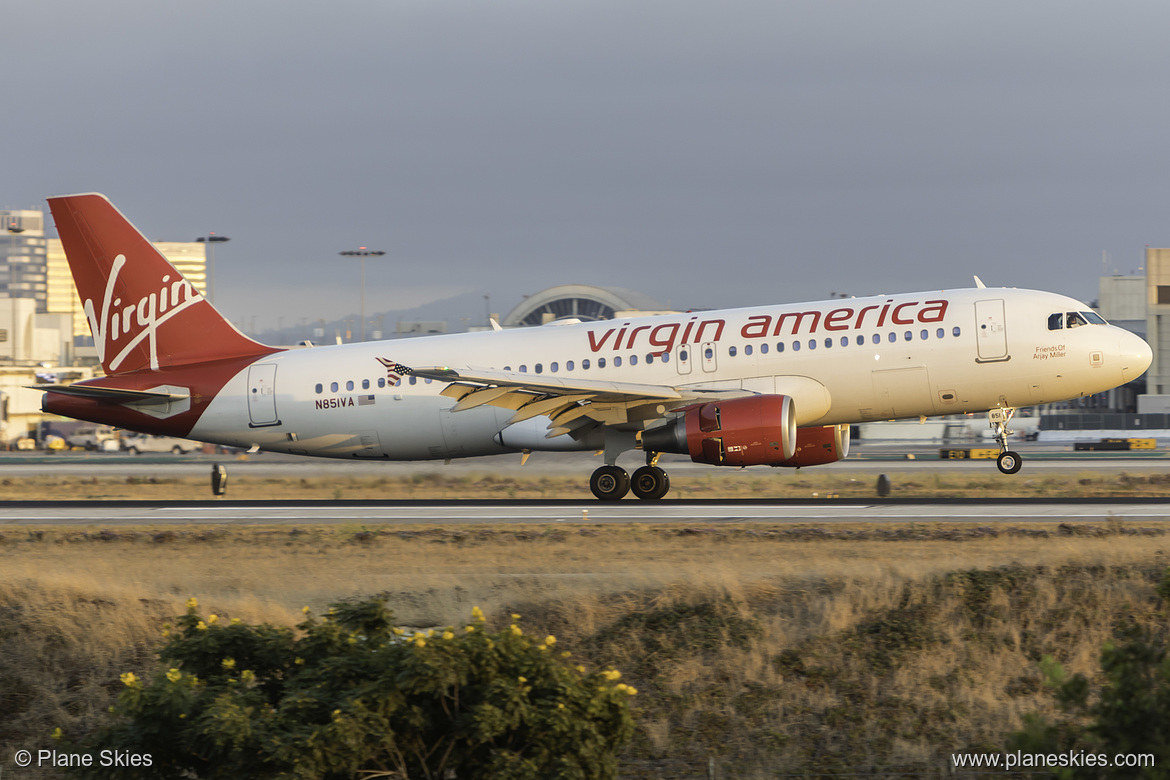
[(395, 371), (365, 400)]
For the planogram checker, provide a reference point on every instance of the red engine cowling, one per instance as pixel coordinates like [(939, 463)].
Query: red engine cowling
[(817, 446), (755, 431)]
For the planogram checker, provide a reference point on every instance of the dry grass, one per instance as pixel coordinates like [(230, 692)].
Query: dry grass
[(762, 645), (747, 483)]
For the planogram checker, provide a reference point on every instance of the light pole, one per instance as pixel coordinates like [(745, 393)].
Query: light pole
[(363, 253), (211, 239)]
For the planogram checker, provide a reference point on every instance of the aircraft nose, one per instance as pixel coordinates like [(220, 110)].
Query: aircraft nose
[(1136, 356)]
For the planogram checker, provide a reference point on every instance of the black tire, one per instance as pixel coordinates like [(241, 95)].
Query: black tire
[(650, 483), (1009, 462), (610, 483)]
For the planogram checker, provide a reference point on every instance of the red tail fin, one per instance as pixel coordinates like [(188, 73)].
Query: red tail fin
[(142, 312)]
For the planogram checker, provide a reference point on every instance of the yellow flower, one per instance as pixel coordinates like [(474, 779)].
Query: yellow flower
[(612, 674), (182, 715), (305, 609), (420, 642), (192, 603), (581, 669), (448, 635), (352, 640), (631, 690), (248, 676), (174, 674), (57, 733), (515, 616), (550, 640), (469, 629), (129, 679), (522, 680), (228, 663), (477, 615), (201, 626), (235, 621), (212, 619), (515, 629), (299, 662)]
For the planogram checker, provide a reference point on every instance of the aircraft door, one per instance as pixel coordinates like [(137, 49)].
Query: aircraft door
[(990, 331), (262, 395), (684, 359), (708, 353)]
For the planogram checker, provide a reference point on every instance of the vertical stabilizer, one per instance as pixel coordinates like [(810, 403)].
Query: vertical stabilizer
[(143, 314)]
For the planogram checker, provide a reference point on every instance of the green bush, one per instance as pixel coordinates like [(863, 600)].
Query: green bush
[(350, 695)]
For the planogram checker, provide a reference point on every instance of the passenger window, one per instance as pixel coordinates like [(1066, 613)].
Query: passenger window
[(747, 350), (860, 341), (601, 362), (585, 364), (1055, 321), (925, 334), (796, 346), (665, 357), (940, 333), (333, 387), (779, 346), (844, 341), (349, 385), (319, 387), (554, 367), (731, 351), (812, 343), (709, 353), (365, 384), (955, 330), (413, 379), (633, 360), (539, 368), (568, 365), (828, 342), (877, 338), (908, 335), (893, 337), (381, 381), (650, 357), (523, 369), (617, 361), (763, 349)]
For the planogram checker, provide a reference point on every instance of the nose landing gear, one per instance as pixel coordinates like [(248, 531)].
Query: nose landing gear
[(1008, 462)]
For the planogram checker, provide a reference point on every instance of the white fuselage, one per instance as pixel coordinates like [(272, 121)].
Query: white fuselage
[(842, 361)]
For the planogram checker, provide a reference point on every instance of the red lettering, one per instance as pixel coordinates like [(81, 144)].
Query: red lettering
[(634, 332), (667, 344), (596, 345), (718, 329), (799, 316), (757, 329), (882, 317), (896, 320), (836, 316), (939, 308)]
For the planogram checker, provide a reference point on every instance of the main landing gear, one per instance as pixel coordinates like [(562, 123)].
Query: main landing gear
[(1008, 462), (611, 482)]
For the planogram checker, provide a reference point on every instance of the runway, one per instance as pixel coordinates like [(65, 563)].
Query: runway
[(214, 512)]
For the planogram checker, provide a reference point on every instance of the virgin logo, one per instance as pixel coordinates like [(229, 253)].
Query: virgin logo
[(133, 322)]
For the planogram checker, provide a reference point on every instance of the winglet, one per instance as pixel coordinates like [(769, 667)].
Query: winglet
[(979, 283)]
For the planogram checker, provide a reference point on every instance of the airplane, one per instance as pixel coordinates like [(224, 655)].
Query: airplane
[(768, 385)]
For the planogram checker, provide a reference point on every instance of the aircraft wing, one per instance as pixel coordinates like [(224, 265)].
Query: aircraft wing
[(569, 402)]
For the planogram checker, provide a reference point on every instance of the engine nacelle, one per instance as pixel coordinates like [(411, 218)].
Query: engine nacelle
[(755, 431), (817, 446)]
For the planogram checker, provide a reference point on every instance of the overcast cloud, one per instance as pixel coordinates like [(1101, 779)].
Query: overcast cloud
[(705, 154)]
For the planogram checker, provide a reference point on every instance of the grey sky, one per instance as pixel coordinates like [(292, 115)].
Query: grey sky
[(706, 154)]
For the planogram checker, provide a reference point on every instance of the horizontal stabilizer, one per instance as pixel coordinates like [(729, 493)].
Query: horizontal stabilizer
[(112, 394)]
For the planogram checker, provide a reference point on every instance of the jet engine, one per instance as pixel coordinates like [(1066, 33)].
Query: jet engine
[(755, 431), (816, 446)]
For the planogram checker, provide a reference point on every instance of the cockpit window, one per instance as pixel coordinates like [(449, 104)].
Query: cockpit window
[(1056, 321), (1094, 318), (1075, 320)]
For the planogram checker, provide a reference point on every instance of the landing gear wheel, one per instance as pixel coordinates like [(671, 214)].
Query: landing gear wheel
[(610, 483), (650, 482), (1009, 462)]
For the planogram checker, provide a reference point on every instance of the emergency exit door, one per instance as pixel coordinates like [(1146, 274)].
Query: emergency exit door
[(262, 395), (990, 331)]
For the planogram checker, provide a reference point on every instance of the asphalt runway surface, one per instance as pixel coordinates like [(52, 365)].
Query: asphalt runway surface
[(874, 461), (214, 512)]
